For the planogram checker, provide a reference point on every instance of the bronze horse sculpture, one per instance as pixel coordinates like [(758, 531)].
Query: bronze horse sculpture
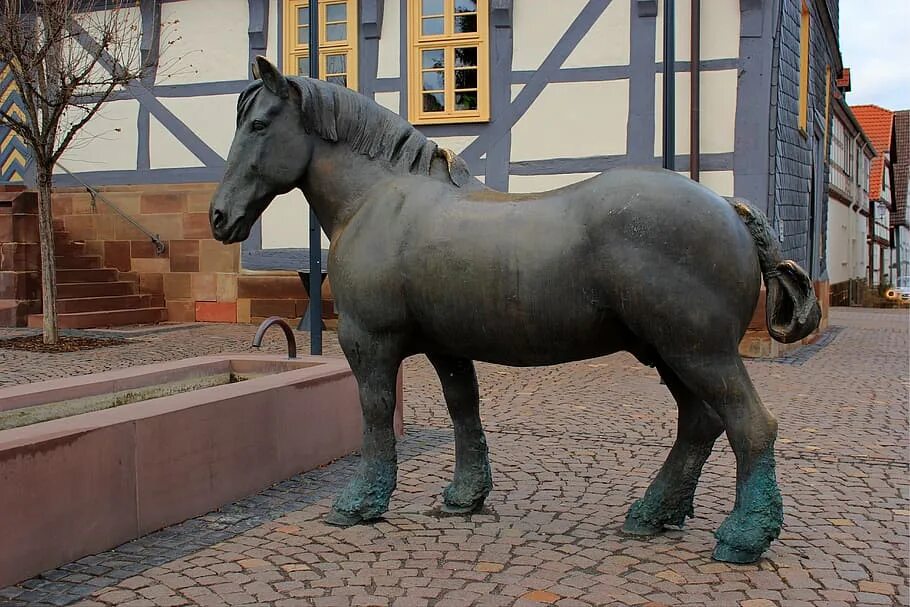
[(652, 263)]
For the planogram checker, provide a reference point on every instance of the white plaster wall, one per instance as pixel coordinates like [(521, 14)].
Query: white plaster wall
[(390, 101), (516, 89), (390, 41), (543, 183), (165, 151), (455, 143), (209, 41), (274, 41), (719, 30), (717, 126), (537, 25), (720, 181), (608, 42), (108, 142), (212, 119), (840, 252), (574, 119), (286, 223)]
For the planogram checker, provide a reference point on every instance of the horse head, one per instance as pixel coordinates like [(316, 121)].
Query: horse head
[(268, 156)]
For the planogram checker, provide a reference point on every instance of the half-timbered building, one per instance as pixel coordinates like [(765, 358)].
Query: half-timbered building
[(533, 94)]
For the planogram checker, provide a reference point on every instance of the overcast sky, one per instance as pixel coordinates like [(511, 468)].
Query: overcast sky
[(875, 45)]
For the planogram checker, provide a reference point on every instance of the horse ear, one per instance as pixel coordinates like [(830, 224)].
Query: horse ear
[(271, 77)]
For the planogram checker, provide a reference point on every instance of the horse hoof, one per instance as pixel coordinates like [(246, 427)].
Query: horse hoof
[(729, 554), (458, 509), (342, 519), (639, 528)]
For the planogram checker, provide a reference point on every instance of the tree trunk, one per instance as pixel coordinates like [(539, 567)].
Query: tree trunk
[(48, 262)]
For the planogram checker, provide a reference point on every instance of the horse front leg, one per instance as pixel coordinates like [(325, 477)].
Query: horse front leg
[(473, 481), (375, 361)]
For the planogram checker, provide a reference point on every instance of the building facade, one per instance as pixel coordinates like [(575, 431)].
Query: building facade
[(878, 123), (900, 221), (850, 159), (532, 98)]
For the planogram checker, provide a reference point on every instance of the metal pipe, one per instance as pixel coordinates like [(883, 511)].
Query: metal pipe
[(669, 86), (315, 228), (695, 93), (288, 334), (160, 247)]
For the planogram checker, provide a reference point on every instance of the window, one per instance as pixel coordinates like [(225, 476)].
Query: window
[(337, 40), (804, 71), (449, 61)]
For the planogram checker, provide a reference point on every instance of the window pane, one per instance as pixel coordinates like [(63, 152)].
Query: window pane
[(466, 57), (433, 102), (465, 23), (432, 7), (303, 36), (336, 12), (340, 80), (303, 15), (466, 101), (434, 58), (303, 66), (336, 32), (465, 79), (433, 26), (434, 81), (336, 64), (465, 6)]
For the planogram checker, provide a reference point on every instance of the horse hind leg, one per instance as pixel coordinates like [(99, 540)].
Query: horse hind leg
[(668, 500), (757, 516), (473, 480)]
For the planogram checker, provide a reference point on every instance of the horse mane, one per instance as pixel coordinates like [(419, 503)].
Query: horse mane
[(338, 114)]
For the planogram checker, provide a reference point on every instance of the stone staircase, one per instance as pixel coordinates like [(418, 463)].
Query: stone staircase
[(90, 296)]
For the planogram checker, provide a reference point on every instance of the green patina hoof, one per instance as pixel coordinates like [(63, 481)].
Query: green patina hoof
[(342, 519), (728, 554), (639, 528), (471, 508)]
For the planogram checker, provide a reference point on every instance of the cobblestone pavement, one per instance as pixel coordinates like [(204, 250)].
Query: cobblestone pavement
[(572, 447)]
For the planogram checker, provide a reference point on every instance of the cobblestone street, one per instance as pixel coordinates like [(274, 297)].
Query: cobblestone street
[(571, 447)]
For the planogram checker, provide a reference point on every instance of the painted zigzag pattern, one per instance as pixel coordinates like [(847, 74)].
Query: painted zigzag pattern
[(13, 151)]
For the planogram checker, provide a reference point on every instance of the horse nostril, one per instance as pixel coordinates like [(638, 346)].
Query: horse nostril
[(218, 219)]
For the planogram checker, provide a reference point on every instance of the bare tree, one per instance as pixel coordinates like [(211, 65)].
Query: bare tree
[(67, 57)]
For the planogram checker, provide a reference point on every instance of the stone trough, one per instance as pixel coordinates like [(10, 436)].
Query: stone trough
[(135, 450)]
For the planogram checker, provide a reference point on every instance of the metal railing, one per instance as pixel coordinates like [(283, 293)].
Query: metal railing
[(160, 247)]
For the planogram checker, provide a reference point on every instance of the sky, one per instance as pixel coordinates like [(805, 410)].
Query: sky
[(875, 45)]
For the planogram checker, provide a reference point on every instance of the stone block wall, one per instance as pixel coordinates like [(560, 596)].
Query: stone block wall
[(198, 278), (20, 256)]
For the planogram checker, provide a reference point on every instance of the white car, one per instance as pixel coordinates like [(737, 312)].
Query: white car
[(903, 289)]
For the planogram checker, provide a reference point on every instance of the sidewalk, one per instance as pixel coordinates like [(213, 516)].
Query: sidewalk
[(572, 447)]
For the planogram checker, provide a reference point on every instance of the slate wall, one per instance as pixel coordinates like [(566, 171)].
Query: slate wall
[(791, 163)]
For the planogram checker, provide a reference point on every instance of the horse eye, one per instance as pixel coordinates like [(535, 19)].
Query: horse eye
[(258, 125)]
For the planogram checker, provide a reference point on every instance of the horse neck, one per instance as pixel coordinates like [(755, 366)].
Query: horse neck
[(336, 180)]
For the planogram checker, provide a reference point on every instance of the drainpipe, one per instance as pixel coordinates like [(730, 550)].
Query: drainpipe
[(315, 228), (695, 92), (669, 86)]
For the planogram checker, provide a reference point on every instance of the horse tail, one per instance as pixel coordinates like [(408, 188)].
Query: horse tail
[(791, 310)]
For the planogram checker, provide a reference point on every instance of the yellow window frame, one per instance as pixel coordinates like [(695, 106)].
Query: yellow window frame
[(448, 41), (293, 50), (804, 70)]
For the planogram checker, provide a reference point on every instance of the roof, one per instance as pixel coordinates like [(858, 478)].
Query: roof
[(846, 115), (901, 167), (878, 124)]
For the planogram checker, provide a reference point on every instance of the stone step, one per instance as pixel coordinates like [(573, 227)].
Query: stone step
[(95, 289), (89, 275), (105, 318), (69, 248), (78, 262), (98, 304)]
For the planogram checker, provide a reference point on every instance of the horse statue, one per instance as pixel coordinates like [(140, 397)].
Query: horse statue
[(425, 259)]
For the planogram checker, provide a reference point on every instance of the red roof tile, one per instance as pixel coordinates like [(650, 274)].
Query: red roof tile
[(877, 122)]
